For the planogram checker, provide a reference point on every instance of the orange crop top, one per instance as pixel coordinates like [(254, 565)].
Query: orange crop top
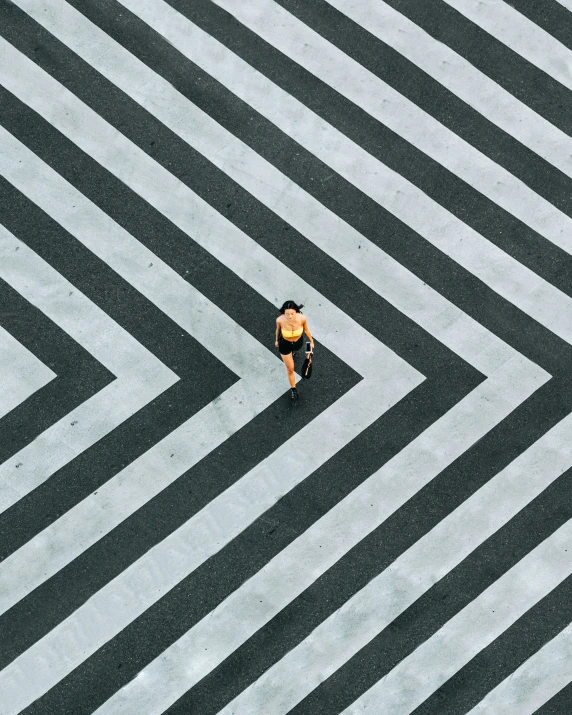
[(293, 333)]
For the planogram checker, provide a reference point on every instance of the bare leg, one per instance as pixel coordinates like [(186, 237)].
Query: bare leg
[(289, 362)]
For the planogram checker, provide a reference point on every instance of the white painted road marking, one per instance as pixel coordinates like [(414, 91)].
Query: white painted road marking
[(140, 375), (534, 683), (463, 79), (520, 34), (21, 373)]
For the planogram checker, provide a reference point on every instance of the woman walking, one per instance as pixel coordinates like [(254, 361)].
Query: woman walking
[(290, 326)]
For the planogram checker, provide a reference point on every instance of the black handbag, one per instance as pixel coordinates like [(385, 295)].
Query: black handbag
[(307, 367)]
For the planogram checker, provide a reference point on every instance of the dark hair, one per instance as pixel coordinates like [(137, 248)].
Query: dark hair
[(289, 304)]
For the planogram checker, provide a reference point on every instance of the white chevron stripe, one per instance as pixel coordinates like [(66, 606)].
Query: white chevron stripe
[(415, 678), (460, 77), (140, 375), (388, 379), (151, 473), (158, 560), (312, 219), (373, 608), (566, 3), (451, 325), (184, 208), (90, 225), (147, 273), (520, 34), (534, 683), (87, 621), (359, 85), (137, 588), (495, 268), (21, 373), (308, 557)]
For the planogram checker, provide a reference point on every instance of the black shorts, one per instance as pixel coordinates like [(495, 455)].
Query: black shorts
[(286, 346)]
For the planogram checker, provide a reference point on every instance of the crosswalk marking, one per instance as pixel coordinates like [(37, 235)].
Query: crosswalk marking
[(532, 684), (317, 223), (187, 210), (52, 549), (472, 629), (467, 82), (151, 276), (140, 375), (309, 556), (495, 268), (137, 483), (149, 578), (62, 552), (405, 118), (374, 607), (516, 31), (64, 658), (456, 332), (384, 372), (21, 373)]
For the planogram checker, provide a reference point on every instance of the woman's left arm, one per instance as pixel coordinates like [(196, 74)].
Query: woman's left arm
[(308, 333)]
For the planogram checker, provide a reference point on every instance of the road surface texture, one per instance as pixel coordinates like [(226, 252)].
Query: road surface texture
[(175, 536)]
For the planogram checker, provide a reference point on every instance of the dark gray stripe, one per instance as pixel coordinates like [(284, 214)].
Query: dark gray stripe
[(506, 67), (450, 378), (479, 212), (518, 643), (552, 17), (421, 258), (134, 313), (442, 104), (376, 552), (560, 704), (79, 375)]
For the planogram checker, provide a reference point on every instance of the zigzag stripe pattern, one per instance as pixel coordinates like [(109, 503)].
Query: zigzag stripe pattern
[(22, 374), (175, 536)]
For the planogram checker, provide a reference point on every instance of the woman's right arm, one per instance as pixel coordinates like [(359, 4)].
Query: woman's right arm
[(277, 332)]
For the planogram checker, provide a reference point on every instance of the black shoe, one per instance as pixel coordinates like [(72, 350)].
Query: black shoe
[(294, 394)]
